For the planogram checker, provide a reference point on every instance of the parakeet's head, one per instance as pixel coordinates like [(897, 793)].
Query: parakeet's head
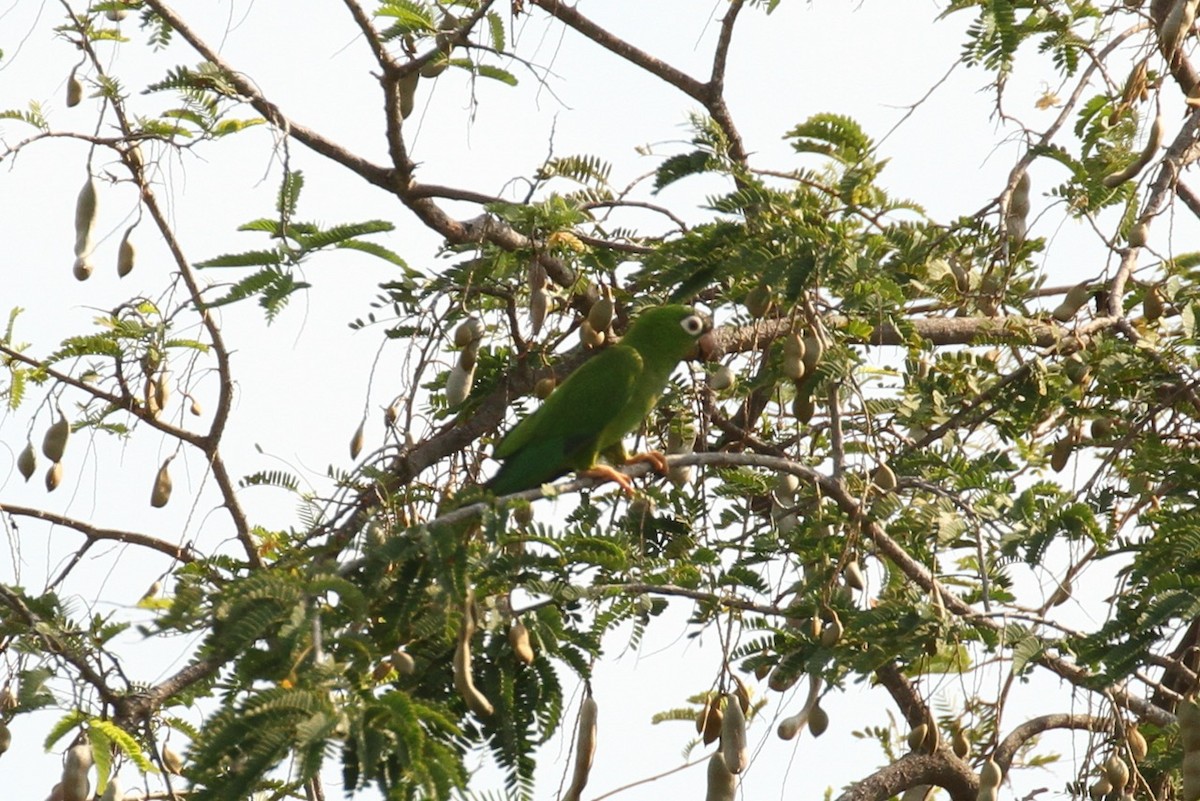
[(668, 330)]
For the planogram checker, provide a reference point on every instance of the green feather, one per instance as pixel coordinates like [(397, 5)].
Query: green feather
[(606, 398)]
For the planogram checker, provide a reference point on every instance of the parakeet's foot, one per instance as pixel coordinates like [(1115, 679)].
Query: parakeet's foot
[(603, 472), (655, 458)]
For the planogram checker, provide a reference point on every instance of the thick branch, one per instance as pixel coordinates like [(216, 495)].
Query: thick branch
[(941, 769), (96, 534), (1009, 746)]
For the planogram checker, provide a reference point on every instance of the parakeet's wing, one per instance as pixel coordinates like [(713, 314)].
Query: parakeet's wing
[(564, 430)]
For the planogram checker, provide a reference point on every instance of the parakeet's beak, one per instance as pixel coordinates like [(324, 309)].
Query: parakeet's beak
[(707, 347)]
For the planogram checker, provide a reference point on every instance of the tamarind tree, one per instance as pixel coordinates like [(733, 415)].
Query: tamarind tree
[(945, 443)]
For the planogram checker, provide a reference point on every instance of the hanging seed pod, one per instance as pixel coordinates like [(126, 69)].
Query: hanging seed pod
[(710, 720), (884, 479), (1152, 304), (814, 350), (1100, 789), (518, 639), (75, 785), (721, 378), (113, 791), (722, 784), (5, 737), (54, 443), (781, 680), (600, 316), (407, 89), (85, 217), (1175, 27), (83, 268), (1076, 369), (789, 727), (585, 749), (833, 631), (818, 721), (356, 442), (1188, 713), (852, 575), (468, 331), (539, 302), (803, 408), (161, 492), (195, 408), (959, 743), (464, 679), (1116, 771), (27, 462), (1075, 299), (1153, 142), (125, 254), (1139, 234), (543, 388), (916, 737), (172, 761), (758, 301), (1102, 428), (56, 793), (458, 385), (733, 735), (116, 14), (1136, 742), (74, 90), (990, 775), (1018, 204), (1060, 454), (793, 356), (590, 337), (403, 662)]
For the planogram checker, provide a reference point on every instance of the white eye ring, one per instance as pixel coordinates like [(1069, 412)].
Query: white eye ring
[(693, 324)]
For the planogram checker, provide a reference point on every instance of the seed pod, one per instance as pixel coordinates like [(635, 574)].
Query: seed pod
[(818, 720), (543, 388), (743, 693), (884, 478), (585, 749), (74, 91), (832, 632), (54, 476), (1138, 234), (468, 331), (407, 89), (710, 720), (403, 662), (722, 784), (56, 793), (458, 385), (5, 737), (793, 356), (987, 794), (1116, 771), (959, 743), (125, 255), (781, 680), (54, 443), (1060, 454), (1175, 27), (814, 349), (464, 680), (27, 462), (916, 737), (601, 314), (1076, 369), (161, 492), (1153, 142), (85, 217), (733, 735), (990, 774), (1191, 776), (172, 761), (113, 791), (1136, 742), (1018, 203), (852, 575), (1152, 304), (590, 337), (803, 408), (435, 67), (1188, 713), (195, 408), (518, 638), (1075, 299), (1100, 789), (83, 268), (356, 442), (116, 14), (758, 301), (75, 785), (539, 302), (721, 378)]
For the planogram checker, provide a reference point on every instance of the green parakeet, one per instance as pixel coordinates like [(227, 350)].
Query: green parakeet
[(598, 404)]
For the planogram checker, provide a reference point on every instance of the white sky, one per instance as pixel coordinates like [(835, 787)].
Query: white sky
[(308, 372)]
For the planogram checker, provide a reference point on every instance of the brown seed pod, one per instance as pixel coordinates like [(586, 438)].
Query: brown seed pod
[(758, 301), (790, 726), (733, 735), (518, 639), (75, 785), (1073, 301), (116, 14), (126, 254), (464, 680), (743, 693), (468, 331), (959, 743), (710, 719), (1116, 771), (781, 680), (917, 735), (1018, 203), (27, 462), (721, 378), (161, 492), (585, 749), (543, 388), (83, 268), (356, 442), (74, 91), (458, 385), (803, 408), (833, 631), (85, 217), (884, 478), (172, 761), (5, 737), (818, 721), (403, 663), (539, 303), (1153, 142), (814, 350), (990, 775), (1136, 742), (195, 408), (407, 89), (1076, 369), (590, 337), (793, 356), (722, 784), (1152, 304), (1060, 454), (1100, 789), (113, 791), (54, 443), (1138, 234), (852, 575), (600, 316)]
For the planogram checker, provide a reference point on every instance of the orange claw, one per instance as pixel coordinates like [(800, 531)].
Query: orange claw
[(656, 458), (602, 472)]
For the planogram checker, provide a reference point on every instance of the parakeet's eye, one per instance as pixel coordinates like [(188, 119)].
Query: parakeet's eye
[(693, 324)]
